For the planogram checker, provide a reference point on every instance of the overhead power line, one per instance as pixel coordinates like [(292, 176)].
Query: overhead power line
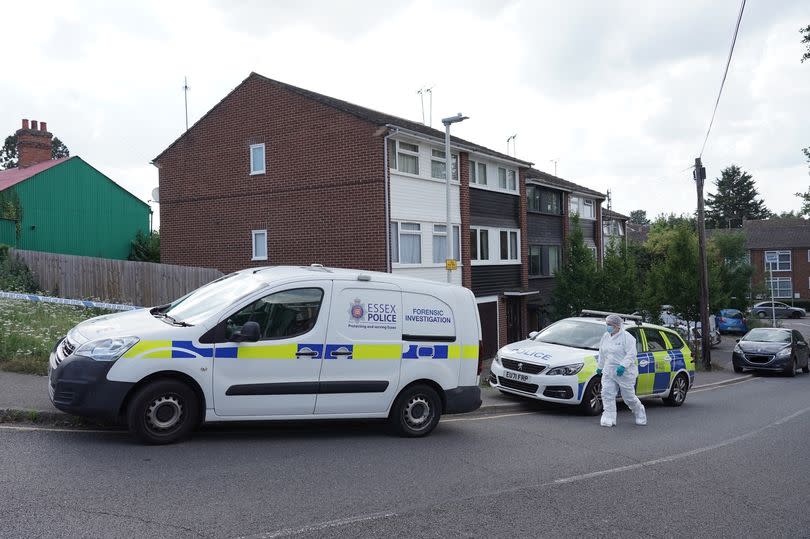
[(725, 73)]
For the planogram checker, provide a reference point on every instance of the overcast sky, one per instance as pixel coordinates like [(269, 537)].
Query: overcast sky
[(619, 92)]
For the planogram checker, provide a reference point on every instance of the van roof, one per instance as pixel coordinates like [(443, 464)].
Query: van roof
[(274, 273)]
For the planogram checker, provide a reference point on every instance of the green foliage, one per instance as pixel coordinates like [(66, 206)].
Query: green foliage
[(9, 157), (617, 281), (15, 275), (805, 39), (735, 200), (145, 247), (576, 280), (639, 217), (671, 220), (11, 208), (734, 272)]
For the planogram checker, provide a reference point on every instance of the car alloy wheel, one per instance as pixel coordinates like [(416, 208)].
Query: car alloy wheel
[(677, 395)]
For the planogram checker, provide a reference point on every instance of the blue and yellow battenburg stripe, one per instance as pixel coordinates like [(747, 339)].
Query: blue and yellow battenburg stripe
[(334, 351)]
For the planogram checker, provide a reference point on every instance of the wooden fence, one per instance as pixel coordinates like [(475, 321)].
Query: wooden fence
[(116, 281)]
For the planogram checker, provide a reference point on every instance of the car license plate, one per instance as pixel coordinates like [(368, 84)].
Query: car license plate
[(516, 376)]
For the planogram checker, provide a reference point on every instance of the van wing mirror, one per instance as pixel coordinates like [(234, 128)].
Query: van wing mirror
[(250, 332)]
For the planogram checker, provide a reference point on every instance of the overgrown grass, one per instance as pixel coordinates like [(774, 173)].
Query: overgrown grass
[(29, 331)]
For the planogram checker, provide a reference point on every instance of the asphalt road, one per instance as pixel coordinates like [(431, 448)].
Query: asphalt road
[(732, 461)]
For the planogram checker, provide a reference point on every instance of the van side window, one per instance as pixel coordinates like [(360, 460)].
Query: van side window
[(637, 337), (280, 315), (655, 341)]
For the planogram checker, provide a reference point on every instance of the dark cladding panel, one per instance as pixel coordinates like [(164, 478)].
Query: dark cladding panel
[(490, 280), (545, 229), (488, 208)]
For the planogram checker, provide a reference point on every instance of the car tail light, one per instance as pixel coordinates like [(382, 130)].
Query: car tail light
[(480, 359), (722, 319)]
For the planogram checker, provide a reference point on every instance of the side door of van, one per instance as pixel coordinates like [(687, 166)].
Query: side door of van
[(278, 374), (360, 373)]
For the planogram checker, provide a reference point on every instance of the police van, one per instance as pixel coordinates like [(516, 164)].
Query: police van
[(278, 343), (558, 364)]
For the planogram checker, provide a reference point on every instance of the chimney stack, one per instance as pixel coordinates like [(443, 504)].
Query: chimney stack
[(34, 144)]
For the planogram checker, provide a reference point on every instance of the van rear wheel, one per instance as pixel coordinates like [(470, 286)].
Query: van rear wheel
[(163, 412), (416, 411)]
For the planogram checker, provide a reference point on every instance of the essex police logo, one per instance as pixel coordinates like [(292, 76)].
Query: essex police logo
[(356, 309)]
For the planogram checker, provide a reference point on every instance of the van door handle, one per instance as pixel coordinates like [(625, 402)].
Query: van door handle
[(306, 353), (341, 352)]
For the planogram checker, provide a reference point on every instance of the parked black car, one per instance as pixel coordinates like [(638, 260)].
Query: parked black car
[(771, 349)]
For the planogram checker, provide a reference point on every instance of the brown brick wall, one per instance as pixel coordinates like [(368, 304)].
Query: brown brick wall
[(321, 199), (524, 233), (503, 337), (799, 274)]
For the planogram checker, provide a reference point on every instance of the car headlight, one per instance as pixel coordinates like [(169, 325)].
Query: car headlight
[(497, 359), (106, 349), (784, 352), (565, 370), (738, 349)]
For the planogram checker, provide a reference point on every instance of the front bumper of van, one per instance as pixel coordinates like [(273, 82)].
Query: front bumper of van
[(79, 386), (461, 400)]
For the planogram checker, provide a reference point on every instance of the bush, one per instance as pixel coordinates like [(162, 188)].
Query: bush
[(145, 247), (15, 276)]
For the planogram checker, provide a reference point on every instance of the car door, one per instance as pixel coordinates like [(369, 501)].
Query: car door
[(657, 380), (361, 366), (278, 374), (802, 350), (644, 361)]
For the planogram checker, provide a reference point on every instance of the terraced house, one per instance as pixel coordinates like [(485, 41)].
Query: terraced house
[(276, 174)]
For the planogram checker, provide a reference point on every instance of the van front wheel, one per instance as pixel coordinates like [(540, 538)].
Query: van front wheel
[(416, 411), (163, 412)]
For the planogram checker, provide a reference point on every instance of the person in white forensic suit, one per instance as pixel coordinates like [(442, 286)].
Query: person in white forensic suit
[(617, 365)]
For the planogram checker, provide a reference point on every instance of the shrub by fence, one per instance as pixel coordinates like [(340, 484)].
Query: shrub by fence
[(115, 281)]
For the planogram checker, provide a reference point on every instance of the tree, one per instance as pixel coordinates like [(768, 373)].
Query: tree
[(9, 157), (575, 281), (639, 217), (617, 281), (735, 200), (145, 247), (805, 39), (728, 253)]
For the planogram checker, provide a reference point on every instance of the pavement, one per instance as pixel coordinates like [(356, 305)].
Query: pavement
[(21, 394)]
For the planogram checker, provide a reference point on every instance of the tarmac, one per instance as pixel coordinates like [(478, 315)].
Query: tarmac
[(25, 396)]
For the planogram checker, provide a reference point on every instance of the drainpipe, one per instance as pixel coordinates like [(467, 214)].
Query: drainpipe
[(387, 181)]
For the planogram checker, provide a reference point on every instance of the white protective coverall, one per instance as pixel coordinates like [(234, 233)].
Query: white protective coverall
[(614, 350)]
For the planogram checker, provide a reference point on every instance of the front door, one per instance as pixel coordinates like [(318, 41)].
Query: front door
[(514, 320), (278, 375), (363, 351)]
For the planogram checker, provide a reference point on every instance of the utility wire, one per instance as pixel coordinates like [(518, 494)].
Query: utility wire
[(722, 83)]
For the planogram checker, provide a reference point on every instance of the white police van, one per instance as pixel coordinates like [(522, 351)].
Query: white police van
[(285, 343)]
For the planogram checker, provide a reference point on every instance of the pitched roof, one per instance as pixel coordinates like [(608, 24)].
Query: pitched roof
[(637, 233), (777, 233), (372, 116), (610, 214), (13, 176), (553, 181)]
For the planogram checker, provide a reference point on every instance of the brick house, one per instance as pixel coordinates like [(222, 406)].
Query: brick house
[(275, 174), (551, 201), (787, 241)]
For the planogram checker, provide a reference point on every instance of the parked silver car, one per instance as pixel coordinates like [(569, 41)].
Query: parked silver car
[(767, 309)]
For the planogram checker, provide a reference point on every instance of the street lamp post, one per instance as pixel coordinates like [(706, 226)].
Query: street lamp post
[(448, 171)]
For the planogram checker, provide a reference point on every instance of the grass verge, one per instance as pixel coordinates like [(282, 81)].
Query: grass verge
[(29, 331)]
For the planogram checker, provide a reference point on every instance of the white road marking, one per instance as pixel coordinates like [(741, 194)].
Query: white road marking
[(287, 532), (479, 418), (699, 389), (724, 382)]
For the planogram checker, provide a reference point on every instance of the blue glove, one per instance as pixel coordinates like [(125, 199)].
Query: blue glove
[(620, 370), (598, 372)]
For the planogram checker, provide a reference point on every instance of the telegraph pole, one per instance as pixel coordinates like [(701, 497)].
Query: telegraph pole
[(699, 175)]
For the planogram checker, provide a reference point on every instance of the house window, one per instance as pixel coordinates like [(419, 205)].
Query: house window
[(410, 243), (440, 243), (550, 202), (482, 174), (502, 177), (473, 179), (782, 287), (573, 205), (479, 244), (533, 198), (593, 252), (259, 244), (407, 158), (437, 164), (257, 165), (588, 211), (509, 244), (512, 180), (584, 207), (544, 260), (782, 263)]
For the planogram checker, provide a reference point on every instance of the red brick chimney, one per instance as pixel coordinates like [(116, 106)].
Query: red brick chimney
[(33, 144)]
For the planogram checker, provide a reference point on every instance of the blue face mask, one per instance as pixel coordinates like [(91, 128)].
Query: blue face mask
[(609, 329)]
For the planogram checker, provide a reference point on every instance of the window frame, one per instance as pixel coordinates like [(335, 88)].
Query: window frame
[(494, 234), (779, 263), (224, 321), (253, 234), (400, 151), (254, 171), (776, 289), (411, 232), (455, 246)]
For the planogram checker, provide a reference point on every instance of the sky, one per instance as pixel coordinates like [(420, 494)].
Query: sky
[(618, 93)]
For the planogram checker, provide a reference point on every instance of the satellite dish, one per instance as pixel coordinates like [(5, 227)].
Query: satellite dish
[(156, 194)]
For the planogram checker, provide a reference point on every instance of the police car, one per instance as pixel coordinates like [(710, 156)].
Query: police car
[(558, 364), (278, 343)]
